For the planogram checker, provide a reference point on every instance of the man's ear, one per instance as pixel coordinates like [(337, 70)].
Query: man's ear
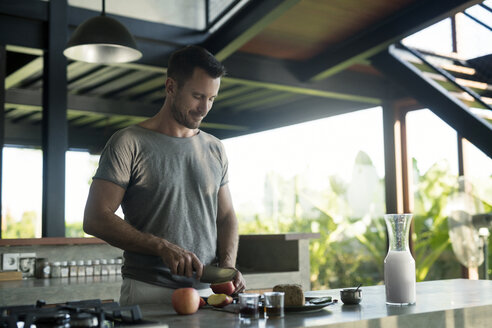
[(171, 86)]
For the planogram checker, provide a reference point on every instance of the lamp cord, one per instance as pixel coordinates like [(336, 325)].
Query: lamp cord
[(104, 8)]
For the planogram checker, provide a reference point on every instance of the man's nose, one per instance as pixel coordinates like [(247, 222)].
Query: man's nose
[(204, 107)]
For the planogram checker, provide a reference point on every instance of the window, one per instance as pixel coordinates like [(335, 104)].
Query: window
[(80, 168), (21, 192), (323, 176)]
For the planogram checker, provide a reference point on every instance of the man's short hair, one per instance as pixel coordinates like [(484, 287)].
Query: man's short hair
[(184, 61)]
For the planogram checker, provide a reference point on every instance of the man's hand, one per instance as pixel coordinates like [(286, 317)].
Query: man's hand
[(239, 282), (180, 261)]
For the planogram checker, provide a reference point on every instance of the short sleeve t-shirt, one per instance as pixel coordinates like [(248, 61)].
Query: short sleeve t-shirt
[(171, 186)]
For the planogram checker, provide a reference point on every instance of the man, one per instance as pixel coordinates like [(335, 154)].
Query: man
[(172, 183)]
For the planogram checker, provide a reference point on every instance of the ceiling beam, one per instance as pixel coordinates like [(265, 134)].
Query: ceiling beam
[(275, 74), (245, 24), (31, 100), (433, 96), (407, 21), (30, 9), (23, 32), (26, 71), (25, 97), (29, 135)]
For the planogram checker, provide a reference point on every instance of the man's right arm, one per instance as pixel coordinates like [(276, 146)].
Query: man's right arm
[(101, 221)]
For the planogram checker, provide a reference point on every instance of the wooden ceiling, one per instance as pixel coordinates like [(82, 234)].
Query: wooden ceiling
[(311, 26)]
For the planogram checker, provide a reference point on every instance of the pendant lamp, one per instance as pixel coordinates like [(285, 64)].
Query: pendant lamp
[(103, 40)]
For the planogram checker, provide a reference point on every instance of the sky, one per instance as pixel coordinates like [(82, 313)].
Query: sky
[(329, 146)]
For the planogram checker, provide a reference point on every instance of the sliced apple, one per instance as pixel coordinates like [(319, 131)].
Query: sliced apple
[(219, 300), (202, 303), (223, 288)]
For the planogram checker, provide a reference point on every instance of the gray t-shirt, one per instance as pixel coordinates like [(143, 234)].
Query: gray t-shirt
[(171, 186)]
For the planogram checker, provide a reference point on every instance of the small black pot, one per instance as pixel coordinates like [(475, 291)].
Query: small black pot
[(351, 296)]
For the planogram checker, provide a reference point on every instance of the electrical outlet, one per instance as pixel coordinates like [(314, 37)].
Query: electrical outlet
[(10, 261)]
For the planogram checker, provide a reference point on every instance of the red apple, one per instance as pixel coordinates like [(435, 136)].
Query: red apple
[(223, 288), (202, 302), (219, 300), (185, 300)]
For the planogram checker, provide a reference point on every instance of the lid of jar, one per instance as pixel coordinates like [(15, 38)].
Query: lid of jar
[(56, 263), (73, 263), (64, 263), (97, 262), (81, 262), (88, 262), (104, 261), (112, 261), (119, 261)]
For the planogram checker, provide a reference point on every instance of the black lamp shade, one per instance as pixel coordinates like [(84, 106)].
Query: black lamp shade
[(104, 40)]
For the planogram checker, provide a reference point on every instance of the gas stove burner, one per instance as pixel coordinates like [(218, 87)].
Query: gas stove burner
[(86, 313), (52, 320), (82, 319)]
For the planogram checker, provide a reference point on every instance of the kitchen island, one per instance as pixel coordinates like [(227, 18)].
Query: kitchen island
[(442, 303)]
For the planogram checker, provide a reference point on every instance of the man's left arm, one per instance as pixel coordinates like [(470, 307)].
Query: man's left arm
[(227, 235)]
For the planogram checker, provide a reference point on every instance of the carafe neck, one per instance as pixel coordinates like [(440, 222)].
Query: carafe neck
[(398, 231)]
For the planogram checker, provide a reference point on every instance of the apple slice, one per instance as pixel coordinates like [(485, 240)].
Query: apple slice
[(219, 300), (202, 303), (223, 288)]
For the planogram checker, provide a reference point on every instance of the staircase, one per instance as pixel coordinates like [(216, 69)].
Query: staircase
[(456, 90)]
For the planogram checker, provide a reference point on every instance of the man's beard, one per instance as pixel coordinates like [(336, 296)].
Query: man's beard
[(180, 117)]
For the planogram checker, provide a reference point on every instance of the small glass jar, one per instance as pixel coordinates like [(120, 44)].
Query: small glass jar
[(104, 267), (97, 268), (89, 268), (73, 268), (56, 270), (112, 267), (81, 269), (64, 270), (42, 268)]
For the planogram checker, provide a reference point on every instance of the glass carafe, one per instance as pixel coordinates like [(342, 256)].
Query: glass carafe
[(399, 265)]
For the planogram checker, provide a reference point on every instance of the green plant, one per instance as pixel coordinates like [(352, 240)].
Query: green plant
[(430, 221)]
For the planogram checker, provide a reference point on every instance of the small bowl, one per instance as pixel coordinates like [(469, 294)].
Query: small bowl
[(351, 296)]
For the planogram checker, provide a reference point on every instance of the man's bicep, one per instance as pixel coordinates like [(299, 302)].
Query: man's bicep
[(104, 195), (225, 207)]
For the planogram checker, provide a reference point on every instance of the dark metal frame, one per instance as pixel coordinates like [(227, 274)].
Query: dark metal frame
[(3, 65), (54, 124), (433, 96)]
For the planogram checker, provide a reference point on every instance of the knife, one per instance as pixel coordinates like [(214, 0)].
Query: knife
[(214, 275)]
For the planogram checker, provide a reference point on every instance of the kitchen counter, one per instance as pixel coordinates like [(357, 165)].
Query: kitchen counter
[(264, 260), (442, 303)]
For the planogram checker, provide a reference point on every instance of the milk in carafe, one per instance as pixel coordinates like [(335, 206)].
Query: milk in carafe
[(399, 277)]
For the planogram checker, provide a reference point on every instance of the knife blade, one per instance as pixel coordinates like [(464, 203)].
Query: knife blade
[(214, 275)]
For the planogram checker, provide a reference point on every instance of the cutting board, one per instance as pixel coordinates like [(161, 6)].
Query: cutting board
[(10, 275)]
